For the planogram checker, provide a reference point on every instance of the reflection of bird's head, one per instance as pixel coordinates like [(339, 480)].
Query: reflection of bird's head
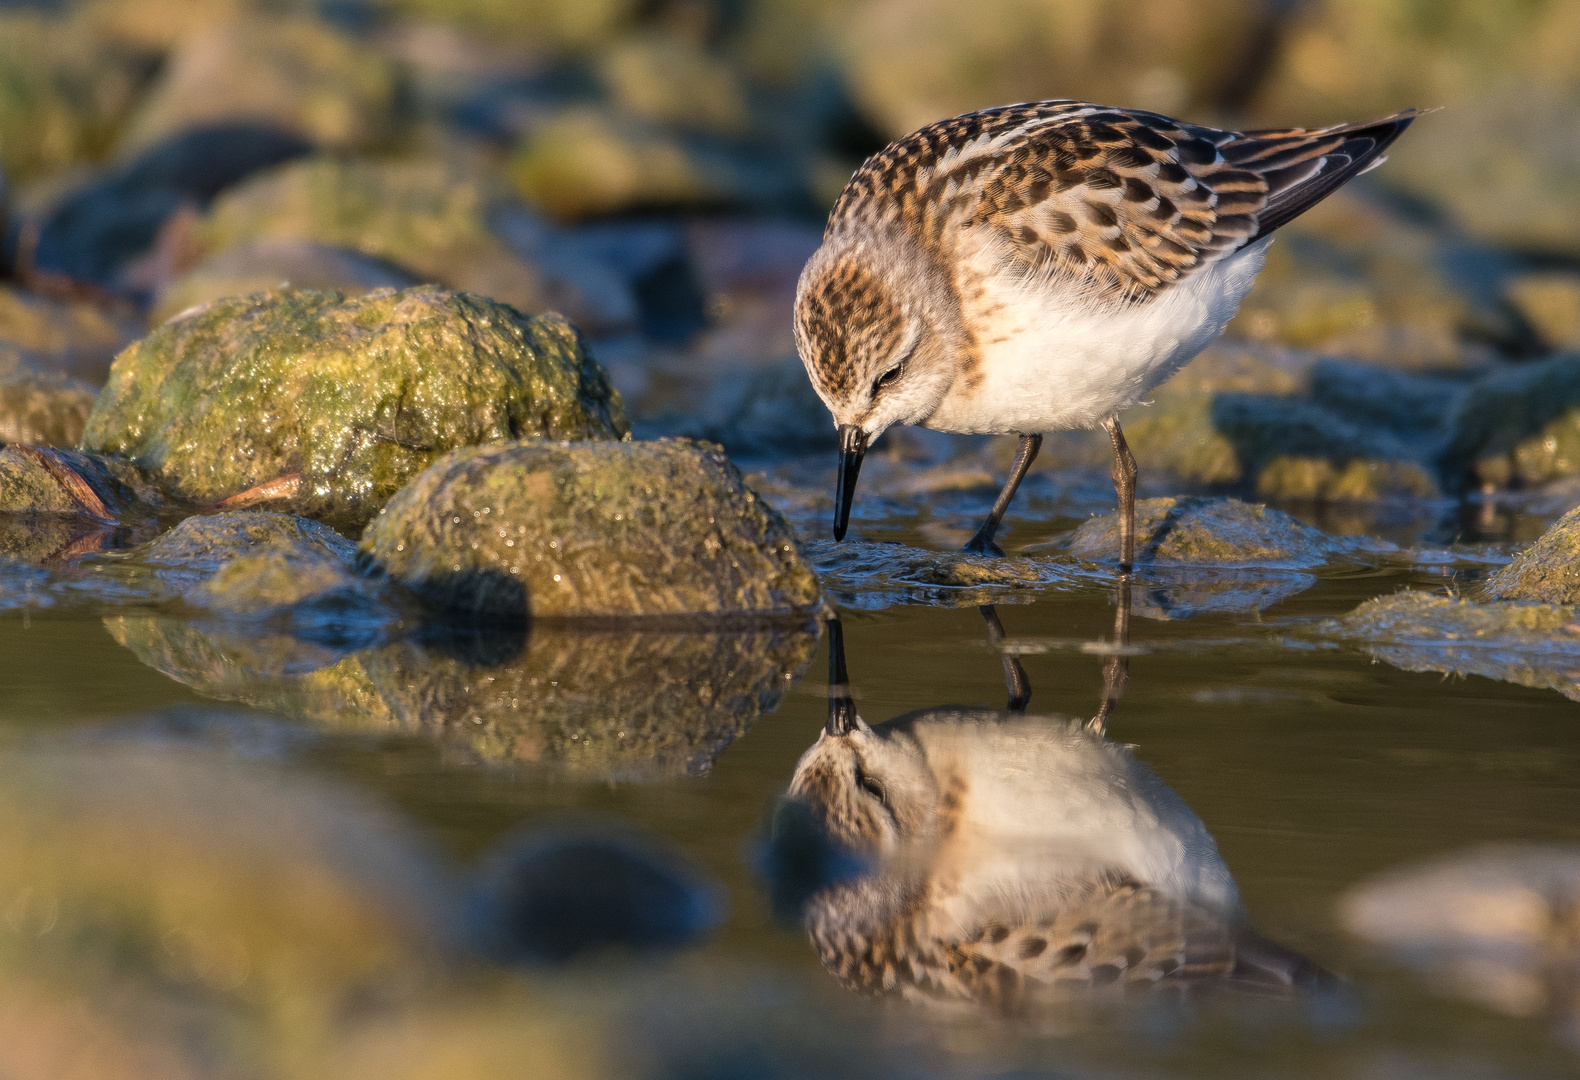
[(873, 790)]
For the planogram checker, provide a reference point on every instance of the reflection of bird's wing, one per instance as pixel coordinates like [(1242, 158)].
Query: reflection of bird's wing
[(1109, 930)]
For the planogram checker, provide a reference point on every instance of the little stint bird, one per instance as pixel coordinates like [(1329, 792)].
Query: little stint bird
[(1041, 267)]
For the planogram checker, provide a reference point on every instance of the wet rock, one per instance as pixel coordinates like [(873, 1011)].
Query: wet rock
[(326, 405), (620, 704), (1166, 593), (868, 576), (297, 75), (1519, 426), (1494, 922), (57, 506), (549, 896), (153, 899), (94, 232), (588, 161), (428, 217), (54, 337), (277, 264), (63, 94), (1217, 532), (252, 563), (1550, 302), (1547, 572), (615, 529), (43, 410), (1529, 644)]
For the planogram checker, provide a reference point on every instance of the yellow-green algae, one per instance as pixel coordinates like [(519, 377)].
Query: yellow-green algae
[(1529, 644), (354, 395), (540, 530), (629, 703), (1519, 427), (44, 410), (1209, 532), (1548, 571)]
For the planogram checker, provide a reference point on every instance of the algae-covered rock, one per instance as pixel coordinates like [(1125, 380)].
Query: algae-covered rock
[(1216, 532), (59, 505), (628, 703), (44, 410), (668, 79), (174, 891), (277, 264), (1550, 302), (1529, 644), (1519, 426), (296, 75), (663, 528), (337, 402), (426, 216), (1547, 572), (254, 564)]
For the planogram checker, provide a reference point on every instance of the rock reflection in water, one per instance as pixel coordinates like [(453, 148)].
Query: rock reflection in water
[(618, 702), (1002, 860)]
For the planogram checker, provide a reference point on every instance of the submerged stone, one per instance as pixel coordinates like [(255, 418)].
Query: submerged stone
[(664, 528), (611, 703), (1528, 644), (1547, 572), (868, 575), (326, 406), (1200, 531), (59, 505)]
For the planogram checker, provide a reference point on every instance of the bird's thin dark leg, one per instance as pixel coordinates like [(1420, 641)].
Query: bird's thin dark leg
[(1125, 488), (1116, 669), (1014, 674), (982, 543)]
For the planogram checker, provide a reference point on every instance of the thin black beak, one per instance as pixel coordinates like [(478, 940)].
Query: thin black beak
[(841, 706), (852, 445)]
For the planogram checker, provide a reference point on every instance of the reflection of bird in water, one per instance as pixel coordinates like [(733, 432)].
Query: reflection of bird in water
[(1015, 855)]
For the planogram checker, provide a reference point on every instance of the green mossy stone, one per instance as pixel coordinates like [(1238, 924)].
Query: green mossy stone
[(1528, 644), (356, 396), (58, 505), (1207, 532), (44, 410), (665, 528), (1547, 572)]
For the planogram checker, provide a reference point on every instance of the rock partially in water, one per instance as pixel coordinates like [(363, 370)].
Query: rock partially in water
[(44, 410), (254, 564), (143, 891), (1225, 533), (277, 264), (613, 703), (521, 530), (57, 506), (1547, 572), (867, 575), (1529, 644), (548, 896), (426, 216), (326, 406), (1519, 426), (296, 75), (1495, 922)]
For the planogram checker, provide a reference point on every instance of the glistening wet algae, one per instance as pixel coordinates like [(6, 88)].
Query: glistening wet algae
[(351, 397)]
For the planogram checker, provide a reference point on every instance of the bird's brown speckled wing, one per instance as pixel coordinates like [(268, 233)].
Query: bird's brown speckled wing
[(1124, 201)]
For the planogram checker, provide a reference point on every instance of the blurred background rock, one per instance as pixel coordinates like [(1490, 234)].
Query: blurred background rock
[(659, 173)]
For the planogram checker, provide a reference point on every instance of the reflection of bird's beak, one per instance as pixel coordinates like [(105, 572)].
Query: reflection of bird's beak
[(852, 445), (842, 718)]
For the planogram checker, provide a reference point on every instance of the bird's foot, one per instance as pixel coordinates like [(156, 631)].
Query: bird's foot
[(984, 546)]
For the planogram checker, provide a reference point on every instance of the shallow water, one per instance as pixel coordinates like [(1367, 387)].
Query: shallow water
[(1311, 765)]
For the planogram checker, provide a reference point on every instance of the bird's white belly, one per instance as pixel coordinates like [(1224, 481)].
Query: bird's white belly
[(1049, 364)]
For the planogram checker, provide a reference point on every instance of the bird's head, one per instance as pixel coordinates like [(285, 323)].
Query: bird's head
[(871, 790), (870, 329)]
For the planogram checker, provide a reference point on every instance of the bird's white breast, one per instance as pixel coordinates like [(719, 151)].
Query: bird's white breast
[(1051, 360)]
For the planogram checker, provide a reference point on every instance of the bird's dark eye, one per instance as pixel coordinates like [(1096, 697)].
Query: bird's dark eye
[(887, 377), (869, 785)]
